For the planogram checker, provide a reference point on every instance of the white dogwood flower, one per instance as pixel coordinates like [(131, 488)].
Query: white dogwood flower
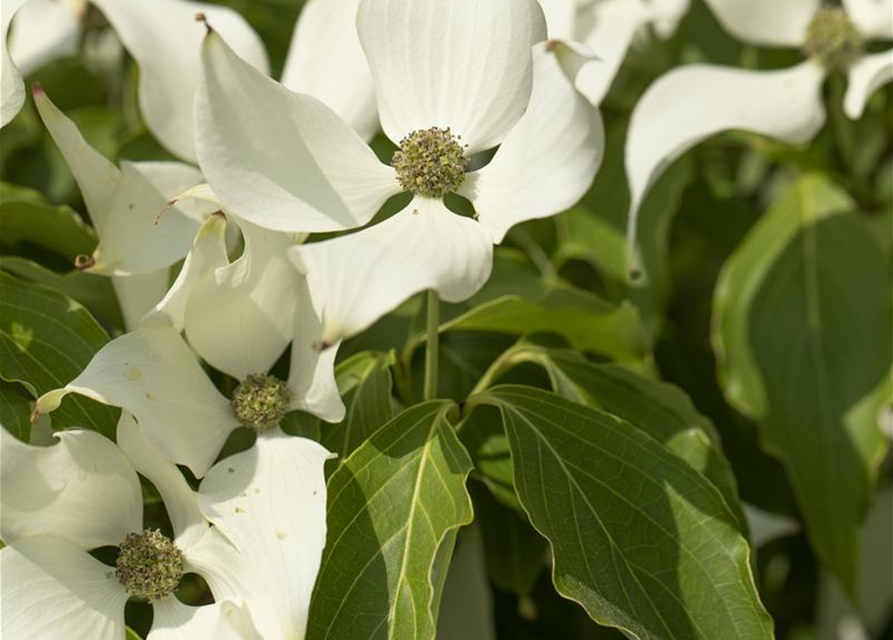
[(123, 203), (163, 38), (63, 501), (693, 102), (153, 374), (609, 28), (255, 531), (286, 162)]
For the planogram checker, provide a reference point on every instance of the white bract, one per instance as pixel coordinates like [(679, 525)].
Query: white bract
[(161, 35), (164, 39), (62, 501), (123, 204), (153, 374), (260, 558), (693, 102), (609, 28), (474, 81)]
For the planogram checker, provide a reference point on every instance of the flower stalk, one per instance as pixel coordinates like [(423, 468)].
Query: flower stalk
[(432, 347)]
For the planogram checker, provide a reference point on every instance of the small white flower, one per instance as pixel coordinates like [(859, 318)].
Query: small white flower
[(123, 204), (83, 493), (609, 28), (693, 102), (452, 80), (153, 374), (162, 37)]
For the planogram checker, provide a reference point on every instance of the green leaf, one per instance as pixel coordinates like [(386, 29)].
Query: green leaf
[(46, 340), (661, 410), (515, 552), (802, 333), (394, 508), (587, 322), (640, 539), (364, 381), (15, 411), (132, 635), (28, 220), (94, 292)]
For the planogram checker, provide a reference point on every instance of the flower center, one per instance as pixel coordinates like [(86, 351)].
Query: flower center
[(149, 565), (261, 401), (430, 162), (832, 39)]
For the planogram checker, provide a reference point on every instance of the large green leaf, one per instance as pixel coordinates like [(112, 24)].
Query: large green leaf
[(364, 381), (661, 410), (394, 508), (28, 221), (46, 340), (94, 292), (802, 332), (515, 552), (640, 539), (584, 320)]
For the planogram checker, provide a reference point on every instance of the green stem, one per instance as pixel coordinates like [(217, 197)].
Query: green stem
[(432, 347)]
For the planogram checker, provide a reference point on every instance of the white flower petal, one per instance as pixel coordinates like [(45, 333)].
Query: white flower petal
[(867, 75), (773, 23), (463, 64), (97, 178), (355, 280), (694, 102), (174, 620), (133, 239), (270, 502), (240, 318), (180, 501), (52, 589), (612, 27), (44, 30), (561, 18), (82, 488), (138, 294), (154, 375), (12, 87), (311, 378), (207, 254), (548, 161), (281, 160), (873, 17), (164, 39), (124, 204), (230, 577), (325, 60)]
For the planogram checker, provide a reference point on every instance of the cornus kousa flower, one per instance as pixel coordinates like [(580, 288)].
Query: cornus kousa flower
[(123, 203), (475, 80), (154, 375), (160, 35), (609, 27), (163, 38), (694, 102), (255, 532)]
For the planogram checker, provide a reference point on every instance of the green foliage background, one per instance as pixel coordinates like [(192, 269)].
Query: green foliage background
[(767, 310)]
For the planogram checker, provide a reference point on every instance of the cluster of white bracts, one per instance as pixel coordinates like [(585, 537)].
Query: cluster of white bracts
[(272, 162)]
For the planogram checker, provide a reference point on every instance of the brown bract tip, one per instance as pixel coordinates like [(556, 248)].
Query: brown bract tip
[(37, 90), (83, 262), (322, 345), (201, 17), (551, 45), (35, 416), (635, 274)]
